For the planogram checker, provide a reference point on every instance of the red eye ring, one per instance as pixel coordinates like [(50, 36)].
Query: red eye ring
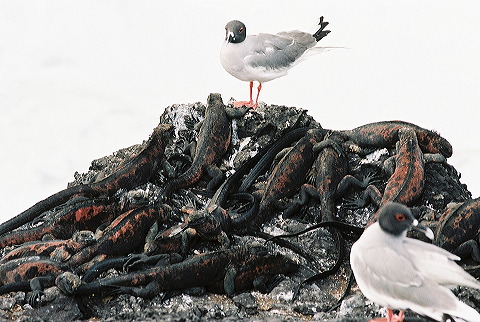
[(241, 30), (400, 217)]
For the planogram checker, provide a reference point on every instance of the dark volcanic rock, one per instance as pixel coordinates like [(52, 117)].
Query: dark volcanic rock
[(316, 300)]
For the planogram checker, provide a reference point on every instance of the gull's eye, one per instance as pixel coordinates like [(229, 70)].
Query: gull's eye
[(400, 217), (241, 30)]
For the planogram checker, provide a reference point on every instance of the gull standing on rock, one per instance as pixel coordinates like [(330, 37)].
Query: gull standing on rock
[(405, 273), (265, 57)]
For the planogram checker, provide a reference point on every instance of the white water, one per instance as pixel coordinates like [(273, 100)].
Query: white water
[(82, 79)]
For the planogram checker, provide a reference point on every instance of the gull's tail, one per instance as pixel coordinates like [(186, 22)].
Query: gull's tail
[(320, 33)]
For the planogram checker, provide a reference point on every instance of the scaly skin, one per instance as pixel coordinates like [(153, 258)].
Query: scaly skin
[(26, 268), (77, 214), (332, 180), (406, 183), (171, 240), (58, 250), (29, 274), (331, 167), (268, 155), (385, 135), (235, 268), (124, 235), (130, 263), (459, 229), (288, 175), (210, 223), (213, 141), (132, 173)]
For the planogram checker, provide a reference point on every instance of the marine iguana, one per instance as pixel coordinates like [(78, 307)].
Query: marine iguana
[(385, 135), (124, 235), (129, 263), (77, 214), (287, 176), (58, 250), (225, 271), (269, 153), (32, 273), (331, 179), (213, 141), (406, 182), (458, 229)]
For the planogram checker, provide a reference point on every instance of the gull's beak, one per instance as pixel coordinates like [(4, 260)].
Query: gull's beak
[(425, 230), (230, 36)]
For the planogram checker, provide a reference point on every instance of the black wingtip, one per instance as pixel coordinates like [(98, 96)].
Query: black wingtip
[(320, 33)]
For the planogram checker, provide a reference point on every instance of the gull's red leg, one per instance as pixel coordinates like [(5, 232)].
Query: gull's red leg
[(398, 317), (259, 88), (395, 317), (251, 92), (246, 103)]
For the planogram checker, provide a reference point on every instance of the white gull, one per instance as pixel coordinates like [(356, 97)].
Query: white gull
[(405, 273), (264, 57)]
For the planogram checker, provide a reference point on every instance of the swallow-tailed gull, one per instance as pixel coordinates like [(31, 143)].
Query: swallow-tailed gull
[(405, 273), (264, 57)]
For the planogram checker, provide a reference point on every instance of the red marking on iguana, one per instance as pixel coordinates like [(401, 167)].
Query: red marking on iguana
[(78, 214), (385, 134), (124, 235), (288, 175), (29, 274), (458, 229), (59, 250), (406, 183), (213, 141)]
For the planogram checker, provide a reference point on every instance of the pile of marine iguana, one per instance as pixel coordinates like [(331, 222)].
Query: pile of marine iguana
[(169, 216)]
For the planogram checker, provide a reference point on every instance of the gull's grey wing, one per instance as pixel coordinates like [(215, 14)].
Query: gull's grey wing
[(396, 283), (439, 264), (278, 51), (393, 270), (300, 37)]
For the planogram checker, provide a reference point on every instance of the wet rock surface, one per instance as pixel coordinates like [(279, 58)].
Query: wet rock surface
[(335, 297)]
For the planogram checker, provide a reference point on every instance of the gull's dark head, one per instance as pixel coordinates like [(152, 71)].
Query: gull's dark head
[(235, 32), (395, 218)]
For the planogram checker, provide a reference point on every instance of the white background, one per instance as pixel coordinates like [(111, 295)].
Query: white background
[(82, 79)]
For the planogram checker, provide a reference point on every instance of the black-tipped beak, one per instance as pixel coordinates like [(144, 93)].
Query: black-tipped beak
[(425, 230), (230, 37)]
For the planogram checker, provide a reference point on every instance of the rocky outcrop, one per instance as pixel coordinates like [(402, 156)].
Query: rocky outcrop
[(321, 300)]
